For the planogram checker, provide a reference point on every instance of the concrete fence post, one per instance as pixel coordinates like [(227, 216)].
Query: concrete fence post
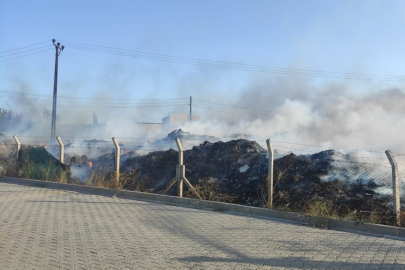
[(18, 146), (395, 186), (270, 175), (181, 175), (180, 169), (62, 149), (180, 147), (117, 160)]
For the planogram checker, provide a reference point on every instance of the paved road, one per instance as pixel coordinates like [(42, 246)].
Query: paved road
[(54, 229)]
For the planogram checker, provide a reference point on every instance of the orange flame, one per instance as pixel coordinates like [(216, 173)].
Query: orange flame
[(90, 164)]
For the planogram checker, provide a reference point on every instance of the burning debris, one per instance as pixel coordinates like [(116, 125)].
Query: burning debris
[(237, 171), (187, 138), (233, 171)]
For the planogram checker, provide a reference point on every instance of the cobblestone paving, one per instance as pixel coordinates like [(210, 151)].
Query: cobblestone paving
[(54, 229)]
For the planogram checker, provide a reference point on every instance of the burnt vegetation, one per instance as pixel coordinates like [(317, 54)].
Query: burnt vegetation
[(234, 172)]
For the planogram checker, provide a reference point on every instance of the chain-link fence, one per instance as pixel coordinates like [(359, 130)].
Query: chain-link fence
[(341, 183), (148, 170), (228, 170), (8, 154)]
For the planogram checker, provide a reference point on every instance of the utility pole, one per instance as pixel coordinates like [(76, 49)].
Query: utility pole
[(55, 90), (190, 108)]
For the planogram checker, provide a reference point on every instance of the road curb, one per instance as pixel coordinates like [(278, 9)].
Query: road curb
[(390, 232)]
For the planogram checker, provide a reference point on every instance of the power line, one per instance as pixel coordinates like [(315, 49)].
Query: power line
[(25, 46), (219, 64), (123, 107), (109, 105), (237, 66), (219, 109), (100, 103), (24, 55), (139, 104), (212, 109), (96, 98), (25, 51), (119, 105), (224, 105), (112, 49)]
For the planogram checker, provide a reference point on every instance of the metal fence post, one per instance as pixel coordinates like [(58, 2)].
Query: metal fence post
[(62, 149), (18, 146), (395, 186), (270, 175), (117, 160)]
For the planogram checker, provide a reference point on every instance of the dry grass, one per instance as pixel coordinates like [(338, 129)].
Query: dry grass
[(9, 168), (402, 219), (322, 209), (210, 189), (101, 178), (207, 188), (134, 181)]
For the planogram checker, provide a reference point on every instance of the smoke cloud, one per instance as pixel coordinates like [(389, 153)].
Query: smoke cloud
[(290, 109), (332, 117)]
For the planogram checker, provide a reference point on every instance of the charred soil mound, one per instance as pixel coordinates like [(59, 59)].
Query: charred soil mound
[(236, 171)]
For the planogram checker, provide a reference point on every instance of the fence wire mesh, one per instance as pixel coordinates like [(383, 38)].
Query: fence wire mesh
[(8, 152), (341, 183), (229, 170), (148, 169)]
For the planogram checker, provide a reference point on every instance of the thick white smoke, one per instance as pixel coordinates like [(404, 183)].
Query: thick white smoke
[(336, 115), (369, 121)]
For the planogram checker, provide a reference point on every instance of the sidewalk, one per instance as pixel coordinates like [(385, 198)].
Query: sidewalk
[(54, 229)]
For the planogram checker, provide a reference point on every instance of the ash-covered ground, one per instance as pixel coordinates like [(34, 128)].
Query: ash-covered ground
[(237, 171)]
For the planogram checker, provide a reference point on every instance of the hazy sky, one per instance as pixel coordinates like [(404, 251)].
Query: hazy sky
[(341, 36), (344, 36)]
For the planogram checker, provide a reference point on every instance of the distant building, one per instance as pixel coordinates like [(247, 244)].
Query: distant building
[(175, 121), (169, 123)]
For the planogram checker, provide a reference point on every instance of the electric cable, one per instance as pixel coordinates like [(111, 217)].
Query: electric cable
[(25, 47), (24, 55), (47, 46), (219, 65), (112, 49)]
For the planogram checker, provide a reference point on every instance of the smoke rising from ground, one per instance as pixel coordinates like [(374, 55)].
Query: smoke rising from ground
[(297, 111), (330, 118), (303, 110)]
